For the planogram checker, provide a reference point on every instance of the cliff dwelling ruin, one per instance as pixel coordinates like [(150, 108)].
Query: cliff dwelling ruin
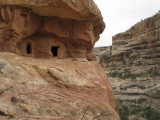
[(52, 87), (26, 32), (29, 49), (54, 50)]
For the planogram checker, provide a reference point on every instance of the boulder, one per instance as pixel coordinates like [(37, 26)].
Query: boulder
[(44, 89)]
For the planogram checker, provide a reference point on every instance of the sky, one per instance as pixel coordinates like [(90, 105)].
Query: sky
[(120, 15)]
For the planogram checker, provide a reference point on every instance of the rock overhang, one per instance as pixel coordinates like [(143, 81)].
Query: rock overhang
[(72, 26), (78, 10)]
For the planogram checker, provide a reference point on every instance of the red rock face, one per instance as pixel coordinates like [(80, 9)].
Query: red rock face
[(20, 28), (57, 89), (72, 88)]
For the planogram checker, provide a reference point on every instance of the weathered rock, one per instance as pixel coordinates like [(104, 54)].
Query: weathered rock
[(143, 38), (72, 88), (80, 10), (132, 64), (69, 27), (54, 89)]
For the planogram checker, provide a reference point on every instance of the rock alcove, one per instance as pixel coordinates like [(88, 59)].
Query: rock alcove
[(61, 89), (29, 49), (29, 32), (54, 50)]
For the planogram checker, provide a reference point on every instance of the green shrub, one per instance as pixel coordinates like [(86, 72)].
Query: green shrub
[(150, 70), (114, 88), (145, 112), (144, 42), (128, 74), (154, 72), (120, 75), (114, 74), (130, 63), (142, 75), (155, 84), (135, 111), (124, 62), (142, 87), (123, 112), (123, 117), (114, 65), (134, 76), (150, 114)]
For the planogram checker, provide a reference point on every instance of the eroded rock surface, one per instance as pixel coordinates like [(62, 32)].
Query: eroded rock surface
[(35, 28), (132, 64), (54, 89)]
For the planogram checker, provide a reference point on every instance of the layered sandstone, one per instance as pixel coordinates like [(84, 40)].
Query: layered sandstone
[(59, 89), (132, 64), (142, 39), (52, 88), (33, 28)]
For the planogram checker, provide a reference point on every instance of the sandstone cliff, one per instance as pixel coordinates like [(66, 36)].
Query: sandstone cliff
[(71, 26), (132, 64), (47, 70), (54, 89)]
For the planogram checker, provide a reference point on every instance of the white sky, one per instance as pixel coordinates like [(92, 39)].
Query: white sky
[(120, 15)]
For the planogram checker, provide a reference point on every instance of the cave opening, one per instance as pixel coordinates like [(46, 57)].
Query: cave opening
[(54, 50), (29, 48)]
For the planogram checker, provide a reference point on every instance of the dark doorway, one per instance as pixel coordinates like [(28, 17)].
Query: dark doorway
[(29, 49), (54, 50)]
